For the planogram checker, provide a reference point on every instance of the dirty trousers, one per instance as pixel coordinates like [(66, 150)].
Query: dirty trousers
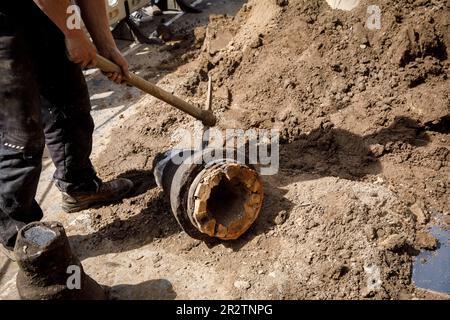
[(43, 101)]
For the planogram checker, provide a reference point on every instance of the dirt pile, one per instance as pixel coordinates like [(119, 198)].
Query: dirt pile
[(365, 157)]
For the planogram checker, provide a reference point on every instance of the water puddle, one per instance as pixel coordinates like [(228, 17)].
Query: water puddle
[(431, 269)]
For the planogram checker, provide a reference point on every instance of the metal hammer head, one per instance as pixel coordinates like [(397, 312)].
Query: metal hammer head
[(209, 119)]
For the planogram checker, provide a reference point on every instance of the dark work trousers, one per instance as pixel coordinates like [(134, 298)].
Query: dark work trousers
[(43, 100)]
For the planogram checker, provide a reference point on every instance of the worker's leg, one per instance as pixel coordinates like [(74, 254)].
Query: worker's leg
[(21, 135), (68, 125)]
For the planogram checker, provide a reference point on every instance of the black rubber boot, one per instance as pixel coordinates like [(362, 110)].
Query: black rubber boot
[(48, 268)]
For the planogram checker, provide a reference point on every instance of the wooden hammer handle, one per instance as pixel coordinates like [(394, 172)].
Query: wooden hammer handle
[(205, 116)]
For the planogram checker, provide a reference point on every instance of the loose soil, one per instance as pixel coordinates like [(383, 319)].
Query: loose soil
[(364, 155)]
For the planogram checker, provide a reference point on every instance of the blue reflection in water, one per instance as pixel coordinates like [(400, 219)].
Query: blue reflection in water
[(431, 269)]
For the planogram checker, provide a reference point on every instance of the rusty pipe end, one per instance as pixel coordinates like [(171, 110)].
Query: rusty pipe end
[(227, 201), (218, 198)]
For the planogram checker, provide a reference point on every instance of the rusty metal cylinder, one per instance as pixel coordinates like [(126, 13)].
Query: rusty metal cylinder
[(217, 198), (45, 259)]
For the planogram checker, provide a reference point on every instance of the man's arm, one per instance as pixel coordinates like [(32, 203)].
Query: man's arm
[(57, 12), (95, 17), (79, 48)]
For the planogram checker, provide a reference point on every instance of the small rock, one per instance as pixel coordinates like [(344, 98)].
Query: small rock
[(288, 83), (367, 293), (281, 217), (242, 284), (256, 42), (377, 150), (380, 180), (365, 41), (190, 83), (422, 216), (336, 67), (283, 115), (223, 93), (380, 233), (393, 242), (327, 125), (361, 86), (370, 232), (426, 241)]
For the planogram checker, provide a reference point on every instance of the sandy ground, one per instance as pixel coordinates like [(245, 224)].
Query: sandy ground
[(364, 156)]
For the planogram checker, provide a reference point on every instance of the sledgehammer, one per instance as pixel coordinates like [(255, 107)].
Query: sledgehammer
[(205, 116)]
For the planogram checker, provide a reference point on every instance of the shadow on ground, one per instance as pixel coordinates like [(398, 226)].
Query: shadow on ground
[(155, 221), (160, 289), (4, 269)]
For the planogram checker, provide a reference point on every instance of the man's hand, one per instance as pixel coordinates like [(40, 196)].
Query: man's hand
[(112, 53), (96, 20), (80, 49)]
